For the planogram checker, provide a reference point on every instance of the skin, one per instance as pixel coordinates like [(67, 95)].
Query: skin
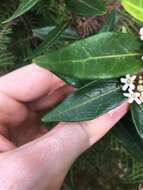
[(31, 157)]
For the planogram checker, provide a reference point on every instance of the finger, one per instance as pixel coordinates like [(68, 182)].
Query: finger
[(53, 154), (29, 83), (12, 112), (5, 144), (97, 128), (49, 100)]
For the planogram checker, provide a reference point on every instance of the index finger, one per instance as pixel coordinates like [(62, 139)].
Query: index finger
[(29, 83)]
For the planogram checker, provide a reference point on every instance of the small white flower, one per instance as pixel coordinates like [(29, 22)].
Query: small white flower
[(141, 33), (128, 82), (133, 96)]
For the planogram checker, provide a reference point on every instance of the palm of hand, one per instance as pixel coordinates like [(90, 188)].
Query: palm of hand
[(26, 130)]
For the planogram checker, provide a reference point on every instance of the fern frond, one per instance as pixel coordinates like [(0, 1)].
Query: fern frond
[(6, 57), (53, 11), (132, 169)]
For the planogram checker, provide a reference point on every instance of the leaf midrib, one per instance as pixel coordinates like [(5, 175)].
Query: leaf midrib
[(103, 57), (90, 100)]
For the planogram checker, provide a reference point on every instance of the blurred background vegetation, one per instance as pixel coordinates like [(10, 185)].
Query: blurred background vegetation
[(108, 165)]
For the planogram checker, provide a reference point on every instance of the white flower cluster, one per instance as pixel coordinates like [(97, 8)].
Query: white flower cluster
[(132, 93), (129, 86)]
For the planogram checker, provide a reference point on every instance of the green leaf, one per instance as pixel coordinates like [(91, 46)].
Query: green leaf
[(134, 7), (129, 138), (137, 115), (106, 55), (43, 32), (78, 83), (108, 26), (110, 22), (87, 7), (50, 39), (87, 103), (25, 5)]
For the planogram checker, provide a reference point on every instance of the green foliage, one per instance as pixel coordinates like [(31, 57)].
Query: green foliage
[(97, 58), (106, 166), (137, 114), (51, 29), (81, 104), (6, 57), (25, 5), (131, 169), (134, 7), (50, 39), (87, 7), (44, 32), (53, 14), (110, 22), (129, 138)]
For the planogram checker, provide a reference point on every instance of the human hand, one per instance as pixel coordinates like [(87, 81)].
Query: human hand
[(26, 161)]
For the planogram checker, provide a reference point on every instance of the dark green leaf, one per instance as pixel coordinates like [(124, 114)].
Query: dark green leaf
[(43, 32), (87, 7), (108, 26), (110, 22), (50, 39), (87, 103), (129, 139), (106, 55), (137, 115), (78, 83), (25, 5)]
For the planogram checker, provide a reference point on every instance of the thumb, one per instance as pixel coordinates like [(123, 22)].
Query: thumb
[(51, 156)]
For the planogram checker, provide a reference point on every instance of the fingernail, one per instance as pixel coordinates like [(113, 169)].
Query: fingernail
[(120, 110)]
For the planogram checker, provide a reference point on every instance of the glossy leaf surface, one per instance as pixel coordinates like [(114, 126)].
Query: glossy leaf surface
[(134, 7), (137, 115), (87, 103), (106, 55)]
